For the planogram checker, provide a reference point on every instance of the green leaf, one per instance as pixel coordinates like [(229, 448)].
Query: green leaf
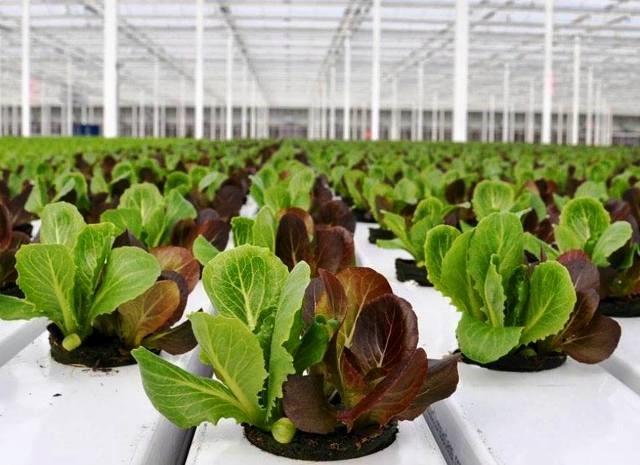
[(264, 229), (538, 247), (237, 358), (582, 222), (314, 344), (144, 197), (456, 281), (612, 239), (242, 229), (484, 343), (61, 224), (245, 283), (13, 308), (439, 241), (129, 272), (124, 219), (185, 399), (280, 360), (177, 208), (551, 301), (203, 250), (398, 226), (46, 274), (492, 196), (498, 234), (90, 255), (494, 297)]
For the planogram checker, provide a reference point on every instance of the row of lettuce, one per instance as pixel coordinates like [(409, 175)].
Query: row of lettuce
[(529, 243)]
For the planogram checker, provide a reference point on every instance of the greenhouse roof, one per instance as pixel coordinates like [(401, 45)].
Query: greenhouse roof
[(288, 47)]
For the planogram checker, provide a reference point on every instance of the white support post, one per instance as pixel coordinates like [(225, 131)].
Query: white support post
[(142, 120), (506, 103), (212, 120), (133, 120), (414, 121), (243, 111), (254, 115), (323, 109), (110, 71), (394, 108), (597, 114), (461, 72), (181, 111), (26, 68), (492, 118), (69, 98), (548, 72), (156, 98), (512, 123), (43, 105), (346, 110), (434, 118), (442, 124), (375, 70), (483, 127), (332, 100), (163, 120), (531, 114), (199, 71), (575, 110), (229, 83), (561, 138), (420, 109), (589, 123)]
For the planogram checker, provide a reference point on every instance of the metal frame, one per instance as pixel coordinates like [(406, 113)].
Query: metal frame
[(290, 46)]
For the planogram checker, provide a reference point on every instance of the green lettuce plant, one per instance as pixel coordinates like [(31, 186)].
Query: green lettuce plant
[(148, 215), (74, 275), (586, 225), (507, 305), (411, 235), (254, 343)]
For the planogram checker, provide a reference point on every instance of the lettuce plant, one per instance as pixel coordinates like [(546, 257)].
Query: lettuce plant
[(586, 225), (507, 306), (322, 247), (289, 188), (10, 241), (372, 372), (410, 236), (254, 343), (149, 216), (73, 276), (294, 237)]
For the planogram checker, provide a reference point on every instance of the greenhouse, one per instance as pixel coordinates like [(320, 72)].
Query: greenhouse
[(269, 232)]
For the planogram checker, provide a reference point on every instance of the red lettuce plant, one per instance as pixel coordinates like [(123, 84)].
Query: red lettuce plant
[(588, 336), (372, 373), (299, 239)]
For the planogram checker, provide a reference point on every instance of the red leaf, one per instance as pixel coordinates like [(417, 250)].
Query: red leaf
[(179, 260), (174, 341), (391, 396), (306, 405), (149, 312), (584, 274), (440, 383), (386, 334), (596, 342), (292, 239), (334, 248)]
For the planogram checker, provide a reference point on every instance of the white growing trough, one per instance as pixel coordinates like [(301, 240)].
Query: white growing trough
[(15, 335), (52, 413), (573, 414)]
